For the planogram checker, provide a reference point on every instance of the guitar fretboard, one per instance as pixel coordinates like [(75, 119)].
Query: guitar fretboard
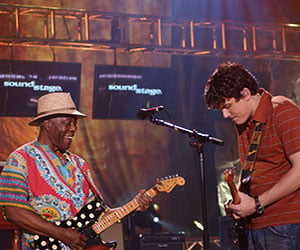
[(120, 213)]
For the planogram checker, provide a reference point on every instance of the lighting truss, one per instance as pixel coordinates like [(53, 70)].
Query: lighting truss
[(97, 30)]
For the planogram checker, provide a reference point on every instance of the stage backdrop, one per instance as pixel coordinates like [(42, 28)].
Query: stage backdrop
[(126, 155)]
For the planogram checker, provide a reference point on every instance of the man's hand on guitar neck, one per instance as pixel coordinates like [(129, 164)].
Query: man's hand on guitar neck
[(245, 208), (143, 200)]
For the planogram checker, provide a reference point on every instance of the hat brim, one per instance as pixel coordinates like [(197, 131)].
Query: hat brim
[(36, 121)]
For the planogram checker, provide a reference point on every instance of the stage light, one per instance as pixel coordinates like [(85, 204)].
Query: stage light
[(149, 219), (137, 49), (156, 219), (156, 207), (293, 25), (198, 225)]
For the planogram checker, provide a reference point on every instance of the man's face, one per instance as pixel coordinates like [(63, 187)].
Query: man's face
[(61, 132), (236, 110)]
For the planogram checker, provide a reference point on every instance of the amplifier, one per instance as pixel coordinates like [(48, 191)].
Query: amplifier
[(162, 241)]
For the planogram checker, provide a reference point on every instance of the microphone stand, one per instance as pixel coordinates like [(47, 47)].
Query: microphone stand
[(202, 138)]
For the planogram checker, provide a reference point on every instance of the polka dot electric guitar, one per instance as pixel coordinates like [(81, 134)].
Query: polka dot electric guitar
[(88, 222)]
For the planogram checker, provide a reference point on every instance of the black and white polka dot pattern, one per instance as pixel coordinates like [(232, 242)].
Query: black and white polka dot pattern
[(82, 221)]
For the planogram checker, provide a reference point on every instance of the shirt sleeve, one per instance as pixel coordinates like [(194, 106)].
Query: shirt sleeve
[(13, 183), (288, 126)]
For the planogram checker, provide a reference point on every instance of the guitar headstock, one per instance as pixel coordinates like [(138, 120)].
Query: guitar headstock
[(168, 183), (229, 178), (229, 175)]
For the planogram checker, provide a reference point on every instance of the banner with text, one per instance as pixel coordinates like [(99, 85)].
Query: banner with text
[(120, 91), (23, 82)]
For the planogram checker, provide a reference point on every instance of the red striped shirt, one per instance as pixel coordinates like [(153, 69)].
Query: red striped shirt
[(280, 139)]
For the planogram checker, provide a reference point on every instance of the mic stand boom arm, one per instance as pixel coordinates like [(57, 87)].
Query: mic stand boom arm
[(202, 138), (192, 133)]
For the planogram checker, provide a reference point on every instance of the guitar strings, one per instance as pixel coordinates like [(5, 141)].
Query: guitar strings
[(89, 230)]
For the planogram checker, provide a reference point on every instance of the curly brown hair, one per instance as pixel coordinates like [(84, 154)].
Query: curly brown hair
[(227, 81)]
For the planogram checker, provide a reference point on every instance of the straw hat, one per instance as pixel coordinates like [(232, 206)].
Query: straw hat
[(55, 104)]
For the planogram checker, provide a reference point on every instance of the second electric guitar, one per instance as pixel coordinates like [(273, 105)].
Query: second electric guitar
[(241, 238)]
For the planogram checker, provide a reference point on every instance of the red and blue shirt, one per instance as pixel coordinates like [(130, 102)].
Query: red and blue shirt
[(35, 179)]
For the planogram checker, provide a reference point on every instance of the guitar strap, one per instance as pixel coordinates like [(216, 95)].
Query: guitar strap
[(248, 165)]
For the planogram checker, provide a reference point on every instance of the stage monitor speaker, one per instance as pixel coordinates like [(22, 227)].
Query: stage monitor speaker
[(162, 241)]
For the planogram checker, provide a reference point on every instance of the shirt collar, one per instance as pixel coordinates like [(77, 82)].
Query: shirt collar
[(264, 105), (261, 111)]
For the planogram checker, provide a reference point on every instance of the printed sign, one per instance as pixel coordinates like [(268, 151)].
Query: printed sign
[(23, 82), (120, 91)]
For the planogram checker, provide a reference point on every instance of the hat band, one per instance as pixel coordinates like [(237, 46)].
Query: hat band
[(54, 110)]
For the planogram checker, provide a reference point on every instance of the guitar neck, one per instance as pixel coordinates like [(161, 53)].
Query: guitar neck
[(229, 178), (235, 197), (120, 213)]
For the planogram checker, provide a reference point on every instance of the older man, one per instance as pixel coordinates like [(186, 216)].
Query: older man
[(44, 184)]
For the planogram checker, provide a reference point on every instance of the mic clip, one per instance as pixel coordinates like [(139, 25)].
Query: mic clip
[(147, 113)]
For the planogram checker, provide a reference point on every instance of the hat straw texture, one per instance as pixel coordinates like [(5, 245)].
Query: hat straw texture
[(59, 103)]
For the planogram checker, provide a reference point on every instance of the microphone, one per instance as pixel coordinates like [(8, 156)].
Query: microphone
[(144, 113)]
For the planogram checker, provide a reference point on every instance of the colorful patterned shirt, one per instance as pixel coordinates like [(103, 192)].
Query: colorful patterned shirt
[(35, 179), (280, 139)]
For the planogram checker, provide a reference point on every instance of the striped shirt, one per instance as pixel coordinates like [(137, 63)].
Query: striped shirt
[(280, 139)]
